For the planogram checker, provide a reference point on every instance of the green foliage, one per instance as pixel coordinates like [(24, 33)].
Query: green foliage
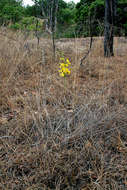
[(27, 21), (15, 26), (29, 24), (68, 32), (66, 19), (122, 18), (72, 19), (13, 13), (93, 10), (11, 10), (30, 11), (66, 12), (66, 16), (89, 11)]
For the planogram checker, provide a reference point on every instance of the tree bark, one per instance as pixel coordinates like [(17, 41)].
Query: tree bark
[(110, 11)]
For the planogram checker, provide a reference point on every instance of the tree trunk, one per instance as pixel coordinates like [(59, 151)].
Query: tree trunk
[(49, 11), (110, 11), (50, 14)]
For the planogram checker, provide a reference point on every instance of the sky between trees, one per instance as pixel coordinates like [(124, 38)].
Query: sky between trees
[(29, 2)]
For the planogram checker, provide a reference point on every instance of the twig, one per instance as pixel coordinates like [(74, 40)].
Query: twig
[(2, 137), (91, 41)]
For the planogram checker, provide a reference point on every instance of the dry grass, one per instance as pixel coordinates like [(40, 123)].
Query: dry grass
[(60, 133)]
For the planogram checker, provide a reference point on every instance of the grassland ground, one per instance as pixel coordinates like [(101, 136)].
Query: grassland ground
[(62, 133)]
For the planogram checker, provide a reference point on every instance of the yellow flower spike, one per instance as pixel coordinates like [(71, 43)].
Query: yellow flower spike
[(65, 70), (67, 60), (64, 67), (62, 74)]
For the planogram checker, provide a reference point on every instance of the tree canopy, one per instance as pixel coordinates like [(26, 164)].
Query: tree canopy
[(11, 10), (71, 18), (95, 9)]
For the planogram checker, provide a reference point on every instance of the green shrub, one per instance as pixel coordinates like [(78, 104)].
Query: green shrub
[(15, 26), (28, 23), (66, 32)]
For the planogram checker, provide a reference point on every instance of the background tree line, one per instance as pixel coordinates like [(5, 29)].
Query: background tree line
[(72, 19), (96, 9)]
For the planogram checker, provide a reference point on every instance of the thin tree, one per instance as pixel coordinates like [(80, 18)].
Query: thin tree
[(37, 22), (91, 20), (110, 13), (49, 12)]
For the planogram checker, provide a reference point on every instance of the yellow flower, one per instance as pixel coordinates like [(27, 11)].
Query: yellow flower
[(63, 68), (66, 65), (69, 72), (62, 65), (62, 74), (68, 62)]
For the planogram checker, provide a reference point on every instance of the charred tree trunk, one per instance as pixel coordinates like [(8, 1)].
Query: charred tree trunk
[(110, 12)]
